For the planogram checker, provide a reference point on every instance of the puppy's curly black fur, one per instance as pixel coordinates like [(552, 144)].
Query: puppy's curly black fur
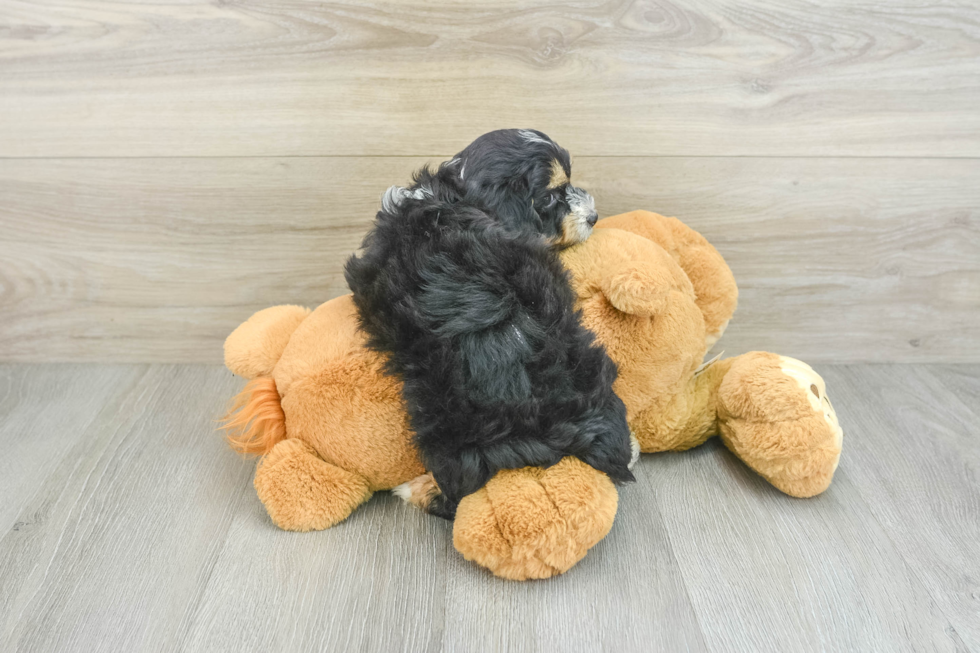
[(460, 284)]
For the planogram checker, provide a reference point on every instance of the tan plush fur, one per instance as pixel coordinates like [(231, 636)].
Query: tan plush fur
[(255, 421), (533, 522), (763, 414), (273, 327), (768, 421), (656, 294), (301, 492), (714, 286)]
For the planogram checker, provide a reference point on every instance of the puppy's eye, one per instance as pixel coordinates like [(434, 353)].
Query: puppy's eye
[(551, 201)]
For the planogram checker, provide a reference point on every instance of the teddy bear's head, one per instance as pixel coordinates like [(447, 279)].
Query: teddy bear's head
[(642, 307)]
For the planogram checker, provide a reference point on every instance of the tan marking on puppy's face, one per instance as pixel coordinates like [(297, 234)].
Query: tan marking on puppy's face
[(558, 176), (573, 231), (577, 225)]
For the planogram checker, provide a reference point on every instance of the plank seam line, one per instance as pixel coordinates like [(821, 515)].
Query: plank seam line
[(440, 156)]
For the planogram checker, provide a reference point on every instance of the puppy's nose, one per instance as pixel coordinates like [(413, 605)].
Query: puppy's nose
[(593, 218)]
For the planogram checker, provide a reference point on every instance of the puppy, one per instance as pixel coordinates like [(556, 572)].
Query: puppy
[(460, 284)]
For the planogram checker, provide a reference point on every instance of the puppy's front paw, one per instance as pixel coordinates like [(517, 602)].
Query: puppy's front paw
[(419, 491)]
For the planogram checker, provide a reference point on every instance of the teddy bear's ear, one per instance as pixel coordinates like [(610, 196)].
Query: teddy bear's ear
[(637, 291)]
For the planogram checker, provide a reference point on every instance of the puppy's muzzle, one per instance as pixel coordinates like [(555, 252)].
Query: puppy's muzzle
[(582, 215)]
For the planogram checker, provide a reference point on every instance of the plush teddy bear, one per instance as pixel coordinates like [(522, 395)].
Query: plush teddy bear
[(332, 428)]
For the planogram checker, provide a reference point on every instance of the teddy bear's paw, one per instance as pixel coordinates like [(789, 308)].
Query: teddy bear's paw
[(534, 522), (302, 492), (774, 413)]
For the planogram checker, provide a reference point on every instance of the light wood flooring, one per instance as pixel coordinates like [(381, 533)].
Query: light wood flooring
[(127, 525)]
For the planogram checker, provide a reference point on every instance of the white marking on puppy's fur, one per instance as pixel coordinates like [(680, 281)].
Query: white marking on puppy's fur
[(634, 450), (576, 227), (419, 491), (518, 334), (392, 198), (403, 491), (395, 195), (531, 137), (452, 163)]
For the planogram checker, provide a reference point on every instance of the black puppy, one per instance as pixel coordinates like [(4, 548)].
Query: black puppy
[(460, 284)]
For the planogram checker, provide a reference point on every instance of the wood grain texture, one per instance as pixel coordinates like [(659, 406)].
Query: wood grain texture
[(159, 259), (143, 534), (835, 259), (117, 542), (962, 382), (374, 583), (44, 412), (638, 77), (913, 455), (628, 594), (767, 572)]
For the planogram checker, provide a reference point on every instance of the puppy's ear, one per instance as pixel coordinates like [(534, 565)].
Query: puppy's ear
[(454, 167)]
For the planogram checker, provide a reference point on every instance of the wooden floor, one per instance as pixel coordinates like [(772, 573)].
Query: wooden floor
[(169, 167), (127, 525)]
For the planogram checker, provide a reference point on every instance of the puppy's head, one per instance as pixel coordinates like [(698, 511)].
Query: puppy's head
[(524, 177)]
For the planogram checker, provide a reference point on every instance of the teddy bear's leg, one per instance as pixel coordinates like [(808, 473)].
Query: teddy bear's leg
[(685, 420), (775, 415), (534, 522), (301, 492)]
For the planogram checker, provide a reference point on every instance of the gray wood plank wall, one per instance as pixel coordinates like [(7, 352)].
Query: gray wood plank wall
[(166, 169)]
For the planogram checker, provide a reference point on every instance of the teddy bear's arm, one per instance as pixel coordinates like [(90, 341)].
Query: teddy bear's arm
[(712, 279), (774, 414), (629, 272)]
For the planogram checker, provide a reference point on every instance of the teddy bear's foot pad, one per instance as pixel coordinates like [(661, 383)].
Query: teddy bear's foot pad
[(815, 389), (534, 522)]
